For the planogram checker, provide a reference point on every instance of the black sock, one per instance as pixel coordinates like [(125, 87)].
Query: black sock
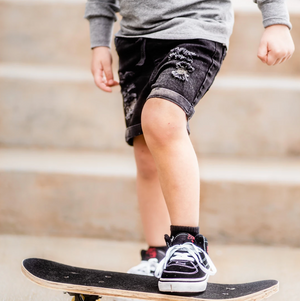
[(175, 230)]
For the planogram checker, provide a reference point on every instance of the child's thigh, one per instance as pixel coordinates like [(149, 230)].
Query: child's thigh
[(186, 72)]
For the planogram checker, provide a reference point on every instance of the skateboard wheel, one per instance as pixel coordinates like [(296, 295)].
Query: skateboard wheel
[(77, 297), (80, 297)]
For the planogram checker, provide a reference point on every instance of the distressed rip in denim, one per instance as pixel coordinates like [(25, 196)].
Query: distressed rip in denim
[(184, 66)]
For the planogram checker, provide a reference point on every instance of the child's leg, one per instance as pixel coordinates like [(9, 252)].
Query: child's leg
[(164, 128), (186, 266), (153, 209), (161, 87)]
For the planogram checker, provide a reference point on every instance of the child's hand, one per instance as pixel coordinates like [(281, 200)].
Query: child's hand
[(276, 45), (102, 69)]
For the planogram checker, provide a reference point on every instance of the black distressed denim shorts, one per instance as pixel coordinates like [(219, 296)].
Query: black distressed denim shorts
[(180, 71)]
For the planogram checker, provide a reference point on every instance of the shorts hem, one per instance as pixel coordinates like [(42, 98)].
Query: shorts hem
[(174, 97), (136, 130), (133, 131)]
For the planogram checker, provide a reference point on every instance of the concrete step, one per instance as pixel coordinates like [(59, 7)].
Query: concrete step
[(55, 33), (62, 108), (48, 32), (58, 107), (249, 116), (235, 263), (88, 194)]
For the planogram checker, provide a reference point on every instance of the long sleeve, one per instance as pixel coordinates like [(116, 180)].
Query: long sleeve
[(101, 15), (274, 12)]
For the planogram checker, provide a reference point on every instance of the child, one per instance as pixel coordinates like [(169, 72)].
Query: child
[(169, 54)]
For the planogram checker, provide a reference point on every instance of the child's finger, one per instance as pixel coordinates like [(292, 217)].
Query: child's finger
[(107, 69), (272, 59), (277, 57), (262, 52), (100, 80), (112, 83)]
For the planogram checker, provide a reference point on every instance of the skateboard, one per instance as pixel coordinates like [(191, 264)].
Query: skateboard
[(91, 285)]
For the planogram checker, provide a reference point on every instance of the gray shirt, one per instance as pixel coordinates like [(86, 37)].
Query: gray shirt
[(173, 19)]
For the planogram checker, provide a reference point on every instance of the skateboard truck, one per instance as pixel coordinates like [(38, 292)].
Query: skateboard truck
[(81, 297)]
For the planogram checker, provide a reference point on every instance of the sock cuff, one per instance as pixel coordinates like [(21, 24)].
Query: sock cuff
[(175, 230)]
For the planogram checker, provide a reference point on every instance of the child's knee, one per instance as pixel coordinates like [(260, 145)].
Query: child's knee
[(162, 121)]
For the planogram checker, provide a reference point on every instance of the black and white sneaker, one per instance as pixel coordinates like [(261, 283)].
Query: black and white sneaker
[(149, 263), (187, 266)]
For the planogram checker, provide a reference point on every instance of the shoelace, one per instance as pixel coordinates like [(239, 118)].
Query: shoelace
[(146, 267), (191, 254)]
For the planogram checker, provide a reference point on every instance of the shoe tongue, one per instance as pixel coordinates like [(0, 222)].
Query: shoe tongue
[(183, 238)]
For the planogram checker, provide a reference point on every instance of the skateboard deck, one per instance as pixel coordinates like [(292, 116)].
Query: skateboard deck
[(90, 284)]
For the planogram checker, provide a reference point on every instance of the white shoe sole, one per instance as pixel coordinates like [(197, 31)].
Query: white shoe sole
[(183, 286)]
